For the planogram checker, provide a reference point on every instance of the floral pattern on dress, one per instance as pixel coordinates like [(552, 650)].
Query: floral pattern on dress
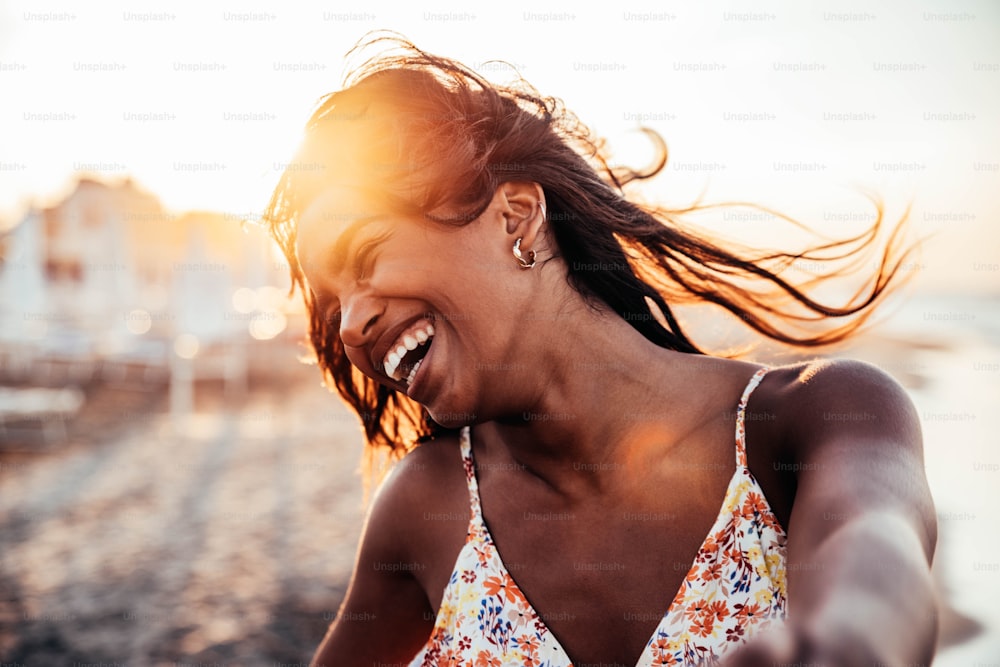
[(735, 588)]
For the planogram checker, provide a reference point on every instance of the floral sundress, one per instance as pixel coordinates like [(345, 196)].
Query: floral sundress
[(735, 588)]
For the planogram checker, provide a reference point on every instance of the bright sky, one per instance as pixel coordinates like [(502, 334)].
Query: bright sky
[(793, 105)]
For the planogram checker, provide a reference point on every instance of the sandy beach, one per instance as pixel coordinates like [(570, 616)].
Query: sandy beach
[(228, 538)]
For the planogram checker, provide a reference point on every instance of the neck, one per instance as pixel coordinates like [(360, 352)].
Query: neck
[(608, 400)]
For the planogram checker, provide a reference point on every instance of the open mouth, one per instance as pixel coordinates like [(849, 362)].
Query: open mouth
[(406, 355)]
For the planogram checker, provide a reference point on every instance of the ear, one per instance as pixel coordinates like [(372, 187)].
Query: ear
[(523, 207)]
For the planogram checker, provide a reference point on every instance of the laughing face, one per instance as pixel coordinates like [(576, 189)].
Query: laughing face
[(426, 308)]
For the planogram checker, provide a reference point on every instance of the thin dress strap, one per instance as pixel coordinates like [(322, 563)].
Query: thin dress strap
[(741, 440), (476, 518)]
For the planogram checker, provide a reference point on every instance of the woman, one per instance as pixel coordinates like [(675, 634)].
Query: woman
[(591, 488)]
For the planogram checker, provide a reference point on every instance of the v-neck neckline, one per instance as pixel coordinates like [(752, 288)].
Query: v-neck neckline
[(721, 519), (741, 484)]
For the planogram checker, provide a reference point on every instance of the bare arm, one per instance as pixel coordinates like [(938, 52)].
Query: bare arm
[(862, 531), (386, 617)]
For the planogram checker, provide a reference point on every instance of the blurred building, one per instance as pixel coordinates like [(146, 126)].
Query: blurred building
[(107, 278)]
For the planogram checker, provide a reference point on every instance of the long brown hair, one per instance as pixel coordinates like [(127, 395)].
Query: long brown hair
[(425, 133)]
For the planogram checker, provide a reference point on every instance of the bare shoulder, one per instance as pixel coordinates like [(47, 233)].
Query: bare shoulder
[(398, 575), (855, 437), (829, 399), (421, 509), (429, 466)]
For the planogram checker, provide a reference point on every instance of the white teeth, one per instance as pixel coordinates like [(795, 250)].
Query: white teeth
[(413, 372), (391, 363), (408, 342)]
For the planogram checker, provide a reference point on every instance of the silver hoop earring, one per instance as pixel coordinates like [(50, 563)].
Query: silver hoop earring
[(526, 263)]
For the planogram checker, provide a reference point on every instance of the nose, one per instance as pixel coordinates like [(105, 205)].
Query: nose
[(359, 313)]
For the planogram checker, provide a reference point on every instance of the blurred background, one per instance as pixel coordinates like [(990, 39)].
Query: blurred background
[(176, 487)]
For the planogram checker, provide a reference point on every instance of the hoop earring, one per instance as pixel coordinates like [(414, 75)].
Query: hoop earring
[(525, 263)]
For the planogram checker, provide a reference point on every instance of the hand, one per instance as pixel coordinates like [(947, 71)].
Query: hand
[(769, 649), (791, 646)]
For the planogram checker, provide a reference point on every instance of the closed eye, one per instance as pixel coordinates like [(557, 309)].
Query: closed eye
[(364, 257)]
